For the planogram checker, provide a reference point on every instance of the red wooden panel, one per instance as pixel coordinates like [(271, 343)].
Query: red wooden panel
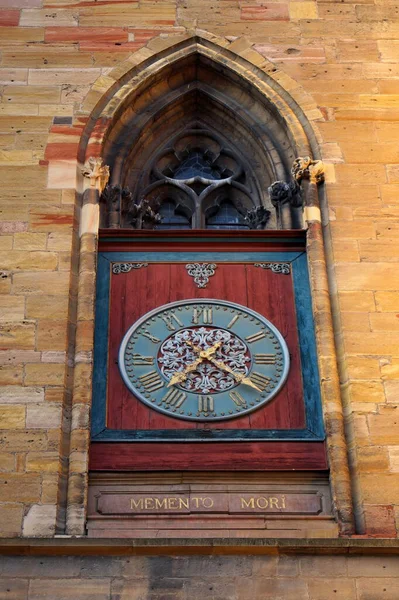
[(135, 293), (220, 456)]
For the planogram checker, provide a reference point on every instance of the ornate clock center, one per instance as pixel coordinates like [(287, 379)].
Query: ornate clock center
[(183, 349)]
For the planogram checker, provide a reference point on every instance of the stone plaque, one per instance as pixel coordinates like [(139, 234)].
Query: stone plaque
[(270, 502)]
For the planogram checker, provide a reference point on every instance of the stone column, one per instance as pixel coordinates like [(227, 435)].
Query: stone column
[(309, 174), (95, 178)]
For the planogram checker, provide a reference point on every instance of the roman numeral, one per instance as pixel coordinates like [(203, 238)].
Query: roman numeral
[(261, 381), (233, 320), (138, 360), (151, 381), (174, 398), (151, 337), (168, 320), (238, 399), (205, 313), (265, 359), (205, 404), (255, 337)]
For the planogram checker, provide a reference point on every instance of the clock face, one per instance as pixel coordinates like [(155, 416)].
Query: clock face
[(204, 360)]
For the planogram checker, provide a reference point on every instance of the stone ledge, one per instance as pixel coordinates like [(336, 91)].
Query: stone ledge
[(70, 546)]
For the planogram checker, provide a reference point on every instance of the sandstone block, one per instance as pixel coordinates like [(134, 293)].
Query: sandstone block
[(41, 283), (18, 260), (17, 335), (44, 374), (370, 589), (64, 589), (51, 335), (369, 276), (303, 10), (43, 415), (10, 520), (332, 588), (357, 301), (376, 566), (52, 307), (43, 462), (12, 417), (20, 487), (384, 427), (23, 441), (30, 241), (12, 308), (373, 459), (34, 94), (11, 374), (392, 391), (31, 177), (390, 368), (40, 521), (362, 367), (14, 589)]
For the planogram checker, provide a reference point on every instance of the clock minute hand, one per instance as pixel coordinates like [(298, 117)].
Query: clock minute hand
[(237, 376)]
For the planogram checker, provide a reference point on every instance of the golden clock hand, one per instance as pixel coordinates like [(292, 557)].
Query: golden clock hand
[(237, 376), (204, 354), (181, 376)]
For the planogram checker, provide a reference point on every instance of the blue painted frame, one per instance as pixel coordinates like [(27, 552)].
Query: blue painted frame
[(314, 429)]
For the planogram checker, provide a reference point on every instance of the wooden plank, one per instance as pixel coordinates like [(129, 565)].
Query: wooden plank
[(220, 456)]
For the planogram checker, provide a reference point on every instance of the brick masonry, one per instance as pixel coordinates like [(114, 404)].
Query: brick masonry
[(339, 60)]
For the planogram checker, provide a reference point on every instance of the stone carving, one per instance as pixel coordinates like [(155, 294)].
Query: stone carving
[(282, 192), (96, 172), (122, 211), (201, 273), (284, 268), (118, 268), (112, 198), (257, 217), (306, 168), (142, 216)]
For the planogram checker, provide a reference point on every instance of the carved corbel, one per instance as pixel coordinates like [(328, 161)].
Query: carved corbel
[(284, 196), (257, 217), (306, 168), (96, 172)]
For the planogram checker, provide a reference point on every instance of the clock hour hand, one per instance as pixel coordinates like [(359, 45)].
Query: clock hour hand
[(237, 376), (181, 376)]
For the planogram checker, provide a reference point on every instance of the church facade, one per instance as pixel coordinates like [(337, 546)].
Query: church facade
[(199, 299)]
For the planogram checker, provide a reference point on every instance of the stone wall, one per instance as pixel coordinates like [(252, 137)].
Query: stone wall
[(190, 578), (55, 59)]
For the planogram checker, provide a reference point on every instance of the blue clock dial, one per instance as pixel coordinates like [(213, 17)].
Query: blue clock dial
[(204, 360)]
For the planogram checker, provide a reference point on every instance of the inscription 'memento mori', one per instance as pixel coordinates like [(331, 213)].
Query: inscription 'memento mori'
[(239, 503), (209, 501)]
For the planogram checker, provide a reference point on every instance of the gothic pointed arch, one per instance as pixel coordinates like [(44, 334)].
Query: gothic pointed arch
[(203, 126)]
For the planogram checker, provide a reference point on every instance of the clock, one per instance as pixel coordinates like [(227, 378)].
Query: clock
[(204, 360)]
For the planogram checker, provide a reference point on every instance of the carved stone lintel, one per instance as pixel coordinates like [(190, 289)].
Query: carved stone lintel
[(306, 168), (257, 217), (96, 172), (284, 268), (118, 268), (201, 273)]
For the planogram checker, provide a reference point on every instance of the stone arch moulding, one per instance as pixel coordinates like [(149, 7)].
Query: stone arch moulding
[(117, 104)]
